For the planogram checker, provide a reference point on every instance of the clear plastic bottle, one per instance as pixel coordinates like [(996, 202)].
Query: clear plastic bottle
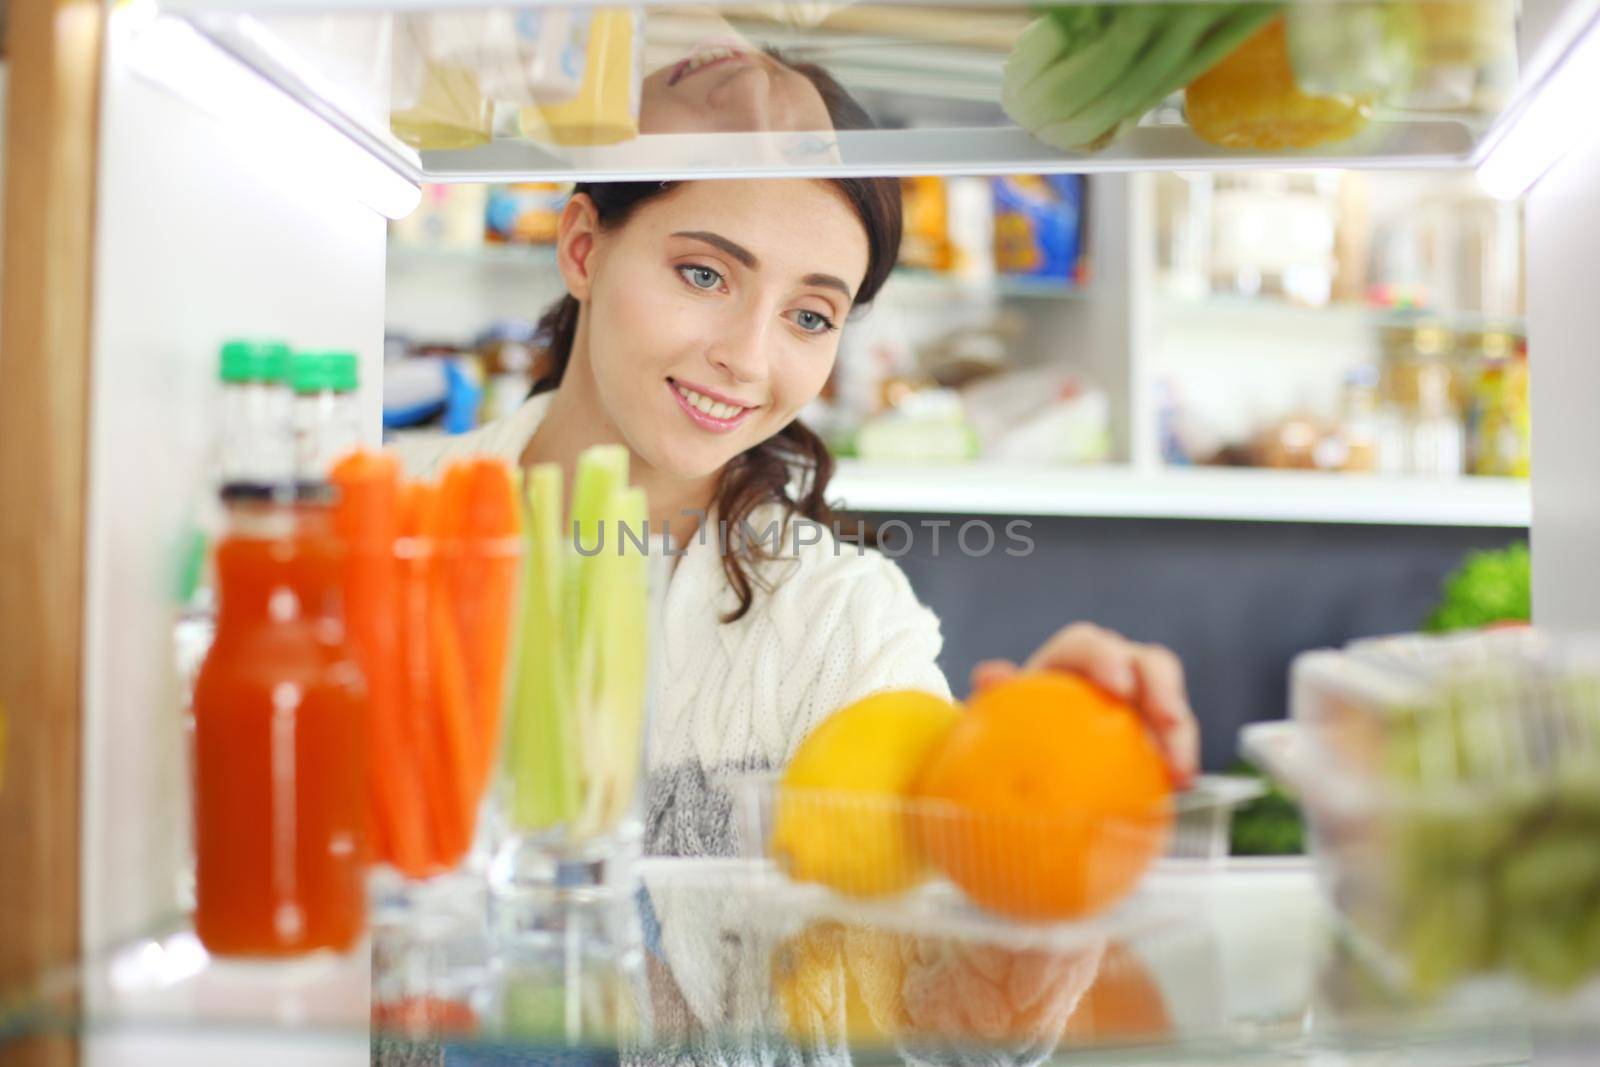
[(327, 420), (1437, 439), (255, 413)]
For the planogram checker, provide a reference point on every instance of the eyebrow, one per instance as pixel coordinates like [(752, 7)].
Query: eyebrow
[(830, 282), (716, 240), (748, 258)]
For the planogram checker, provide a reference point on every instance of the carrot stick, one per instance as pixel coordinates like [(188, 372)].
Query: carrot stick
[(421, 716), (455, 719), (451, 750), (486, 594), (367, 518)]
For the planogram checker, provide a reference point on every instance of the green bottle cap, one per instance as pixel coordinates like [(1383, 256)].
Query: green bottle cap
[(314, 372), (277, 364), (307, 372), (344, 371), (254, 361)]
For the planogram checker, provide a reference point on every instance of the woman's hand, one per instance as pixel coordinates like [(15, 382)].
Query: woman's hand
[(1149, 677)]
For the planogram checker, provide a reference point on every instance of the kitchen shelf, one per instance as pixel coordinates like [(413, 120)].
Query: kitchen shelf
[(1251, 973), (1266, 310), (930, 76), (914, 284), (1232, 494), (529, 257)]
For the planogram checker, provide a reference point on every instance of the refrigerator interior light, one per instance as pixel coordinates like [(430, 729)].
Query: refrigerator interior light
[(1554, 118), (261, 121)]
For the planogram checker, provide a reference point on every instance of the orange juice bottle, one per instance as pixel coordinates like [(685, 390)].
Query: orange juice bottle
[(280, 737)]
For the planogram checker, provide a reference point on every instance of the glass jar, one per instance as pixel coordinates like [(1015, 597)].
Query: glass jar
[(280, 737), (569, 817), (1498, 423)]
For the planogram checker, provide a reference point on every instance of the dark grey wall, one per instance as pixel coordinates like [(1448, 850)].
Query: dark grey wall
[(1235, 600)]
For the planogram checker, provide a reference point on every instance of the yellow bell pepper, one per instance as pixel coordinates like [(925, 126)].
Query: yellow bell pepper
[(1251, 100)]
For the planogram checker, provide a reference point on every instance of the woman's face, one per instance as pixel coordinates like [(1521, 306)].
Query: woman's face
[(713, 313), (723, 85)]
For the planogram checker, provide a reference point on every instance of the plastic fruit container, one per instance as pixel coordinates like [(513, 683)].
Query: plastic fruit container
[(1451, 791), (1108, 863)]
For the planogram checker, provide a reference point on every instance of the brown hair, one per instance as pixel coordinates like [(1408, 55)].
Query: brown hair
[(763, 473)]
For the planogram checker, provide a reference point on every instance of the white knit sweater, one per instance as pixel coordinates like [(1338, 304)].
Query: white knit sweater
[(838, 624)]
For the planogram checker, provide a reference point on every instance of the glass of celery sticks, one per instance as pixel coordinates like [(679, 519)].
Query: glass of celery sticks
[(562, 875)]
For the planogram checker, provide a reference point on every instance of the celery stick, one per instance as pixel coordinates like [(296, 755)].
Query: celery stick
[(1041, 43), (602, 471), (542, 760), (1081, 23), (1230, 33), (602, 474), (1169, 47), (619, 620), (1093, 71)]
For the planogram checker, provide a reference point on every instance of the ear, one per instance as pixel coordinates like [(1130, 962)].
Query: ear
[(576, 234)]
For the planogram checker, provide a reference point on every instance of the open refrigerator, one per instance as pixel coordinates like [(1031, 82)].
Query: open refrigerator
[(250, 155)]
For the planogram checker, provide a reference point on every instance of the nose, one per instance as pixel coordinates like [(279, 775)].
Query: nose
[(741, 353), (743, 104)]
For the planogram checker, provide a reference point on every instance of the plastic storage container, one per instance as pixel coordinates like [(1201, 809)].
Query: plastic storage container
[(1451, 790), (1195, 838)]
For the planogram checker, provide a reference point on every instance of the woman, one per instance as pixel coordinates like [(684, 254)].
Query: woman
[(701, 317)]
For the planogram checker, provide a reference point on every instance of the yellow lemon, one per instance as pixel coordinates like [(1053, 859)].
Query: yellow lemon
[(840, 817)]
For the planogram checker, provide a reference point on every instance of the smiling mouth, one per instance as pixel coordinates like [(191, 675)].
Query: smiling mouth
[(707, 411), (702, 58)]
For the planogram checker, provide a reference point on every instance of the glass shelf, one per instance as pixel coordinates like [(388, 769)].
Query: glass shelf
[(448, 91), (1247, 967), (1226, 308), (1209, 493)]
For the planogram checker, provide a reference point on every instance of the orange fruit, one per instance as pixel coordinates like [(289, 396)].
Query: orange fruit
[(1125, 1004), (1251, 100), (1048, 800)]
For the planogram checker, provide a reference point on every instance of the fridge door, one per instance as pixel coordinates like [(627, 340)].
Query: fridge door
[(199, 237)]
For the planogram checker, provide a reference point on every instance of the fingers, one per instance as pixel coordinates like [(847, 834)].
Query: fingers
[(1101, 656), (1149, 677), (991, 671), (1164, 702)]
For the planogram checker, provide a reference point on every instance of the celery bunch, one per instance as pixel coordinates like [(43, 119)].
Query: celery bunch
[(1081, 75), (576, 720)]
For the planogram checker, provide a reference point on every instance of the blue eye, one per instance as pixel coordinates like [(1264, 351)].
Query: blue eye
[(812, 322), (701, 277)]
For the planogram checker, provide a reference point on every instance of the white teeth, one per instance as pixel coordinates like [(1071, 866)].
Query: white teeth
[(706, 406), (710, 55)]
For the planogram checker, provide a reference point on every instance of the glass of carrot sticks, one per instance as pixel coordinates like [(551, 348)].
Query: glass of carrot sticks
[(430, 603)]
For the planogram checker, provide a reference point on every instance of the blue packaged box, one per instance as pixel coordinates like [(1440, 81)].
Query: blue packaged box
[(1038, 226)]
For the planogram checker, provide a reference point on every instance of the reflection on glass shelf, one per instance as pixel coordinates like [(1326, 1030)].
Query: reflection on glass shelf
[(1234, 494), (462, 92), (1254, 971), (1266, 308), (907, 282), (507, 255)]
